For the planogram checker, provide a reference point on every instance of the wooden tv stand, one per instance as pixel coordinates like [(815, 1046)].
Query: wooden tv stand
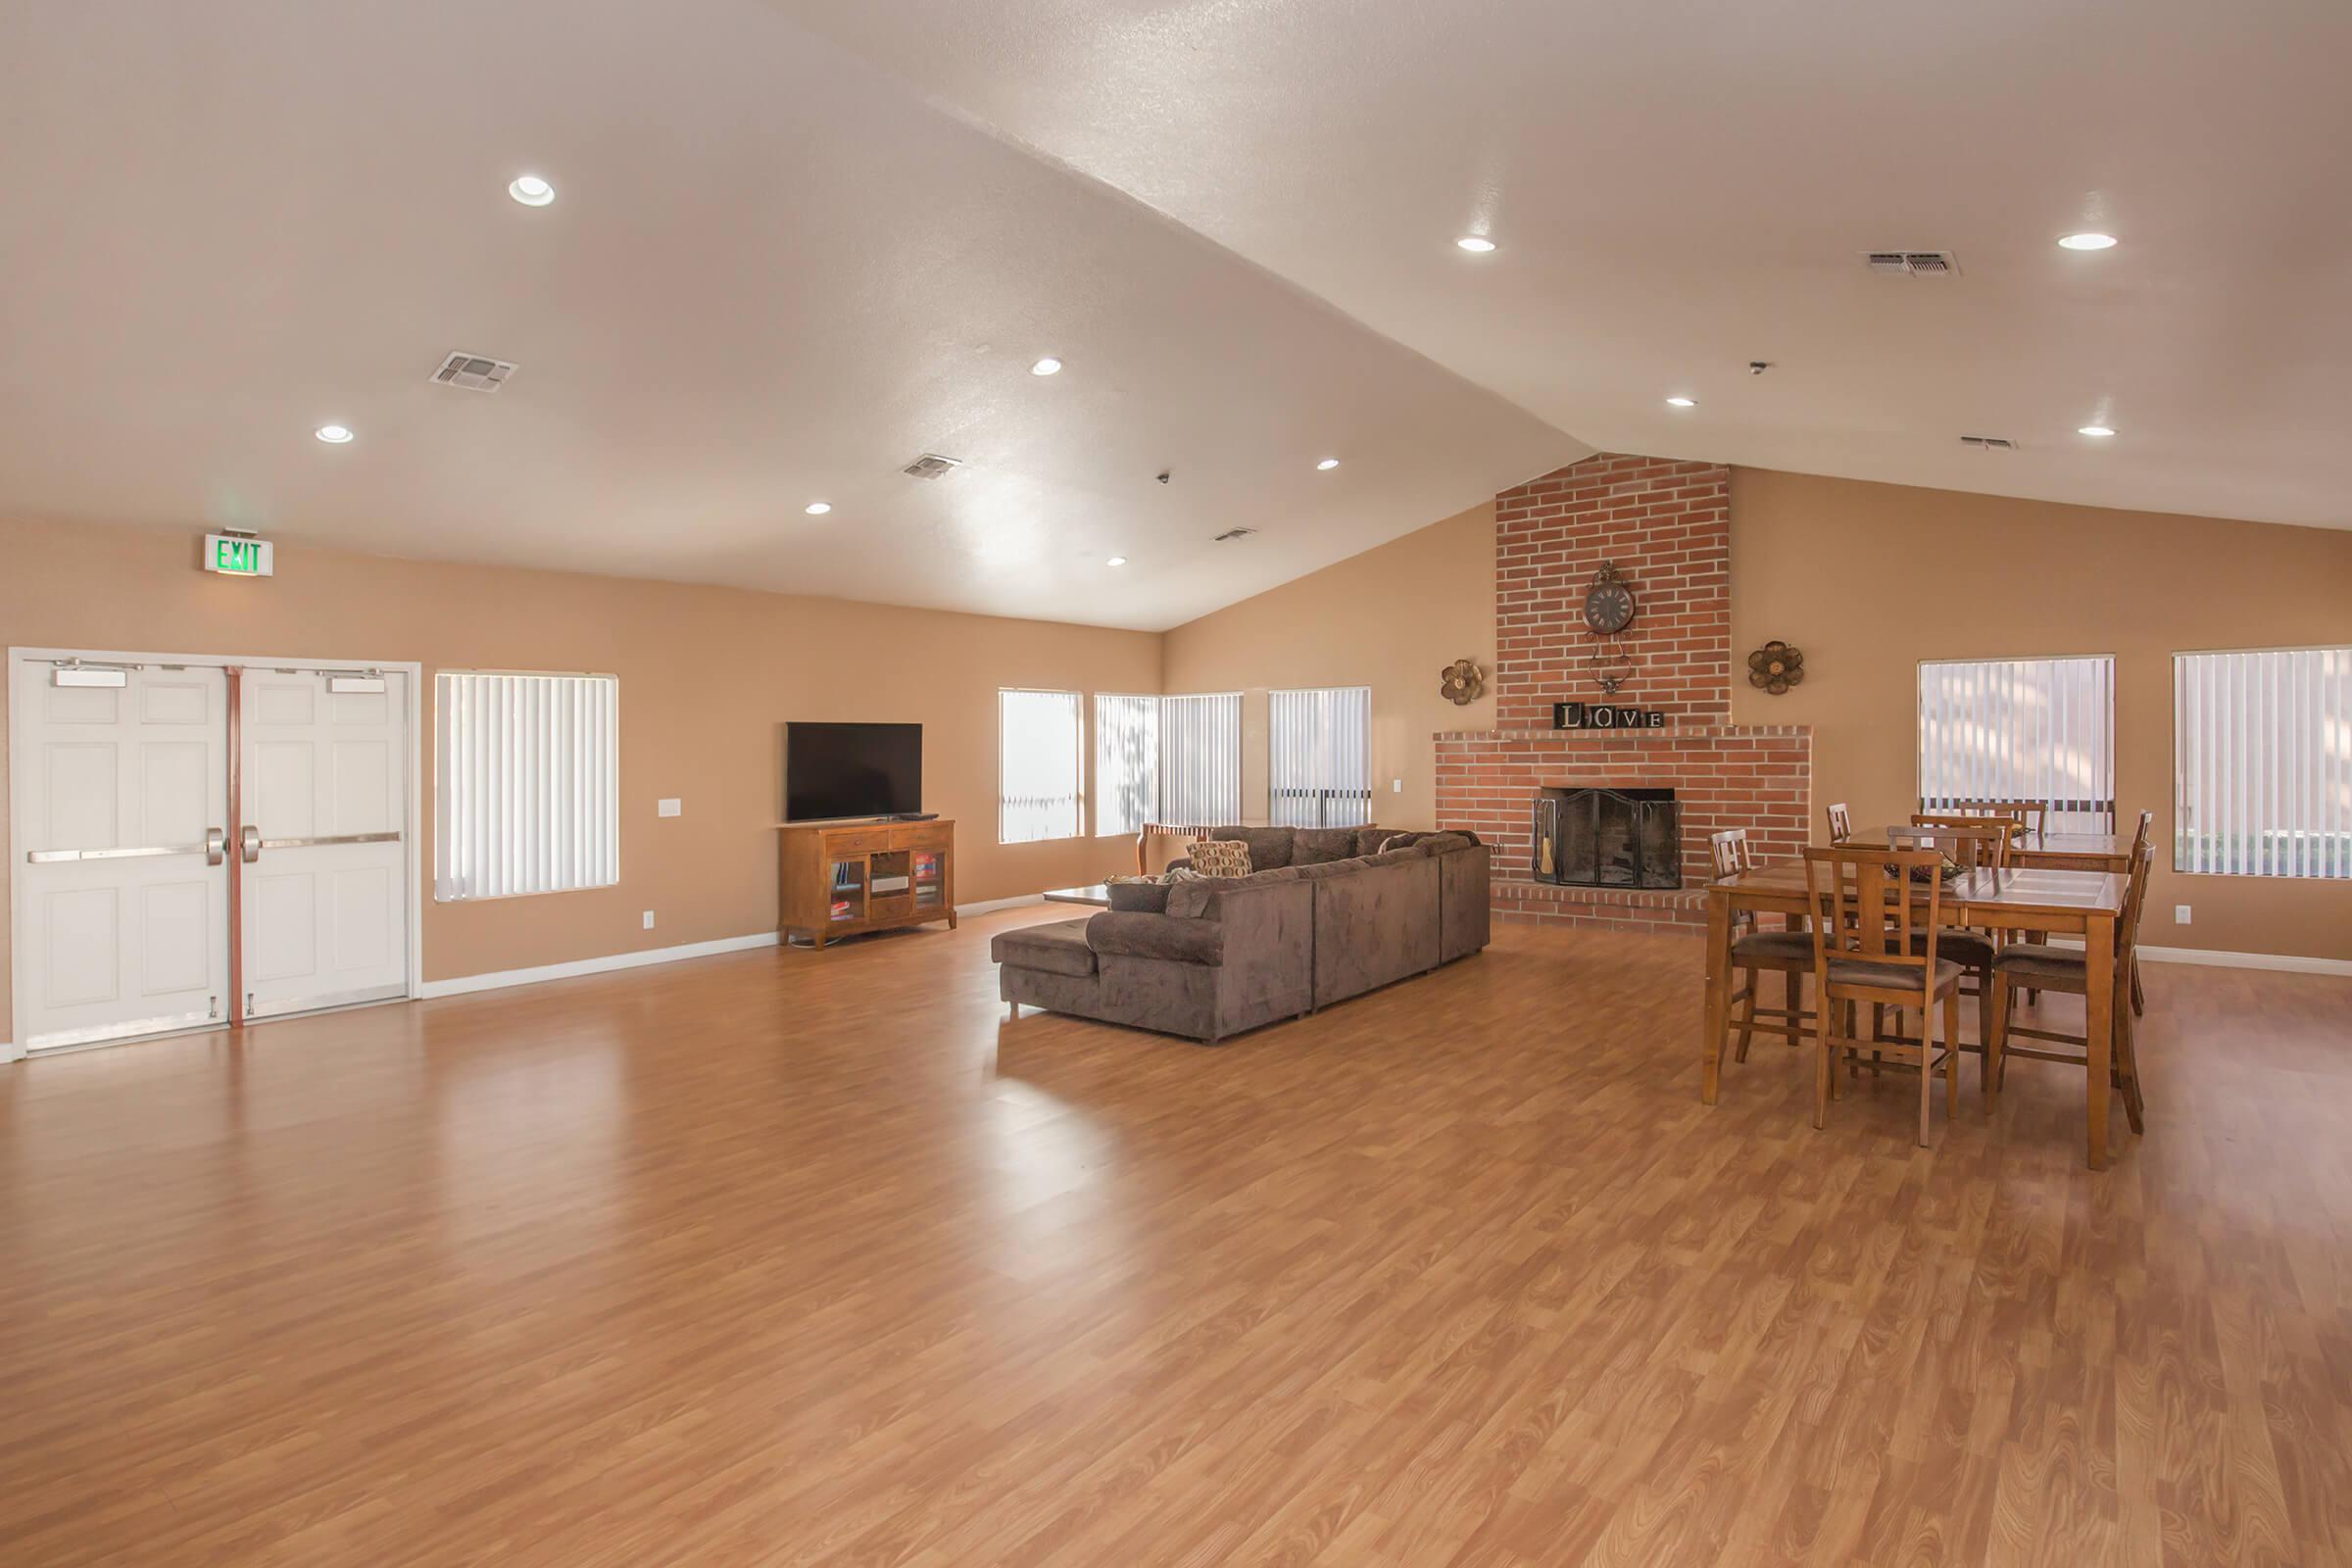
[(826, 881)]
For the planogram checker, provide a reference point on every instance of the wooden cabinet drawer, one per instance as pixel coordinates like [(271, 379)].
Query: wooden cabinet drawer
[(864, 841), (921, 836)]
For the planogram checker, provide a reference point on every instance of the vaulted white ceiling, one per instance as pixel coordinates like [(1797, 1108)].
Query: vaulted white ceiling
[(1678, 187), (772, 274), (798, 242)]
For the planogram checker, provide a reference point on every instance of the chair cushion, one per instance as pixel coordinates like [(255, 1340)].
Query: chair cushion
[(2042, 960), (1889, 976), (1971, 948), (1773, 947), (1057, 949)]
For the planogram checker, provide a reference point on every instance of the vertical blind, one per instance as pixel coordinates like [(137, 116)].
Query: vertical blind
[(2020, 729), (1036, 766), (2262, 763), (1201, 759), (1319, 756), (526, 784), (1126, 763)]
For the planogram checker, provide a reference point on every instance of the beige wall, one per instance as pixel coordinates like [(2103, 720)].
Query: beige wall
[(1869, 579), (1818, 562), (1390, 618), (706, 676)]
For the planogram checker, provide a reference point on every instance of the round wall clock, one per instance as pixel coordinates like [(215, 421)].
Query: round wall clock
[(1609, 607)]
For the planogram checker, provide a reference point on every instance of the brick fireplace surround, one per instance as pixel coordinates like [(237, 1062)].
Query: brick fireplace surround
[(1667, 526)]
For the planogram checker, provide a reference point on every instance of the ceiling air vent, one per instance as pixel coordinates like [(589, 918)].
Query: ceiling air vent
[(473, 373), (930, 465), (1233, 533), (1915, 264), (1989, 443)]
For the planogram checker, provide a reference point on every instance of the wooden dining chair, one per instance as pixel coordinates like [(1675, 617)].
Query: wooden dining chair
[(1979, 845), (2009, 816), (1864, 917), (2141, 840), (1756, 951), (1842, 823), (2032, 816), (2053, 968)]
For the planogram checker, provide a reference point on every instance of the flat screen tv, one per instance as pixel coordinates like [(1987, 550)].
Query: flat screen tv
[(851, 770)]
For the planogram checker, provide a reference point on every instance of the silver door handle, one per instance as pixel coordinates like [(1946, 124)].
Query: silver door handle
[(249, 842), (332, 838), (214, 843)]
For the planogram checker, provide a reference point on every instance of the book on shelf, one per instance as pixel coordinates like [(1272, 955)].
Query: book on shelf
[(889, 884)]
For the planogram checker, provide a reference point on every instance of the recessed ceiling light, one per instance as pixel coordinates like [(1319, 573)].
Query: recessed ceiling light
[(531, 190), (1682, 402), (334, 435), (2095, 429), (818, 509), (1116, 560), (1328, 464), (1475, 244), (2088, 243), (1047, 366)]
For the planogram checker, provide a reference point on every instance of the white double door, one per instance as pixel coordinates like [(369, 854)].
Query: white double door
[(153, 893)]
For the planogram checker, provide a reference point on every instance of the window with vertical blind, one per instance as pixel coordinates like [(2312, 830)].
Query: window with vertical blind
[(1038, 768), (2020, 729), (2262, 763), (1126, 763), (1201, 759), (1319, 756), (526, 784)]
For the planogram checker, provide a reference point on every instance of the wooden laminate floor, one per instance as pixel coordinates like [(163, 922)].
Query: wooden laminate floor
[(787, 1259)]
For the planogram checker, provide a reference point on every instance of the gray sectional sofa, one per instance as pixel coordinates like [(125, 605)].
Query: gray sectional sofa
[(1325, 914)]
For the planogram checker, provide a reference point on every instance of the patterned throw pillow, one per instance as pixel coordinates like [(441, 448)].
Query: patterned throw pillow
[(1221, 857)]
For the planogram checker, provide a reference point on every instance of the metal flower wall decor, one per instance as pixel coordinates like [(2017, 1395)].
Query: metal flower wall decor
[(1776, 667), (1460, 682)]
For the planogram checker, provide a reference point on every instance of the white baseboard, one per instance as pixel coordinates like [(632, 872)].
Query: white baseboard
[(990, 905), (2222, 959), (9, 1052), (498, 979)]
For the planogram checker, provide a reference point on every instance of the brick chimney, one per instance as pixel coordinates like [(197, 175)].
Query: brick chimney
[(1666, 527)]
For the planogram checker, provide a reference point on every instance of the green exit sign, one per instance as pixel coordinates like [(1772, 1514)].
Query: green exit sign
[(237, 557)]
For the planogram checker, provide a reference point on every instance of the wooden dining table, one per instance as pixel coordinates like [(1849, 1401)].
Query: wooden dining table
[(2048, 852), (2032, 897)]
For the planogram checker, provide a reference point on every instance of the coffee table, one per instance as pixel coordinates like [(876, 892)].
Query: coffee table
[(1095, 893)]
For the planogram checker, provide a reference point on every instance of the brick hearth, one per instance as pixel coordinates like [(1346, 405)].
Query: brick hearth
[(1667, 526)]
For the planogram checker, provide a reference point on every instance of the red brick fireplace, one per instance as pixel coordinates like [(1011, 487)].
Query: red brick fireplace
[(1667, 527)]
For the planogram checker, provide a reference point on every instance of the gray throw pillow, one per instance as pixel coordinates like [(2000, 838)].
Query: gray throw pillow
[(1140, 897)]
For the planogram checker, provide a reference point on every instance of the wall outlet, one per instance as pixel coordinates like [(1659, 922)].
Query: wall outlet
[(2180, 914), (649, 919), (673, 807)]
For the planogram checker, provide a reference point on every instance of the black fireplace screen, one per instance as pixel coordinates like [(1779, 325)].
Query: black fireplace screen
[(1602, 838)]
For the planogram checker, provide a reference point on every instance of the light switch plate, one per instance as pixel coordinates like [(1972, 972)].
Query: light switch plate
[(671, 807), (2180, 914), (649, 919), (1395, 786)]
